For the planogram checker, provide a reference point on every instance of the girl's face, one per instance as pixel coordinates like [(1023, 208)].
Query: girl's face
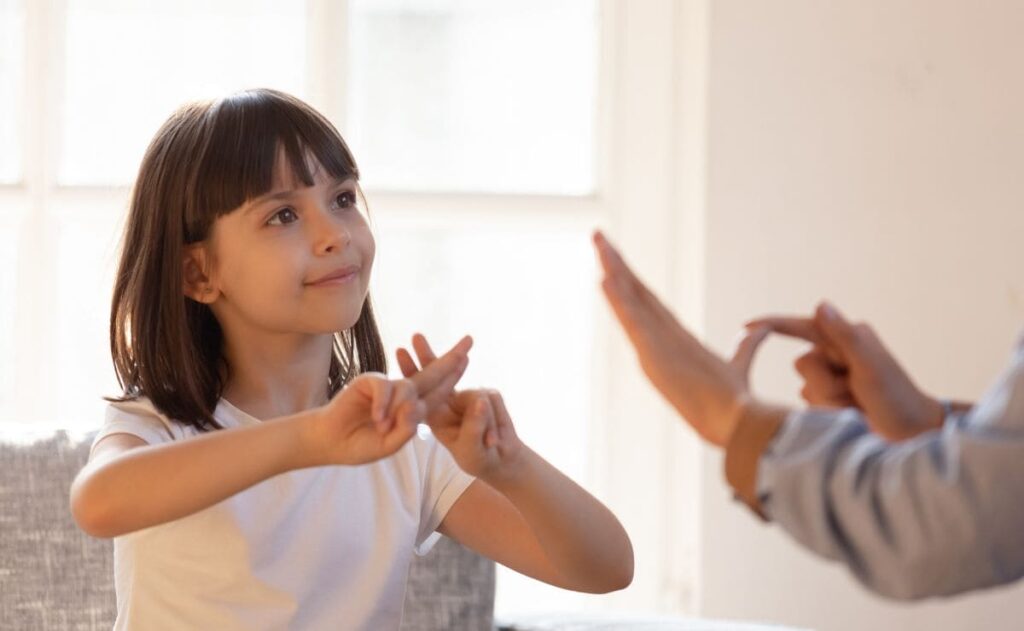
[(295, 260)]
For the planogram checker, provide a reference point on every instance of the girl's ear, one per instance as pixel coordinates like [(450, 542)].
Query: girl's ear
[(197, 283)]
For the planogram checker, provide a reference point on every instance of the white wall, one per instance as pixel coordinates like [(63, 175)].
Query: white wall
[(870, 151)]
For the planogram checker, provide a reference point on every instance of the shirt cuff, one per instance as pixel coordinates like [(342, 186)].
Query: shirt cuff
[(753, 434)]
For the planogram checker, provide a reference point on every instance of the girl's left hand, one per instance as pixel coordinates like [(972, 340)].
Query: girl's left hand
[(474, 425)]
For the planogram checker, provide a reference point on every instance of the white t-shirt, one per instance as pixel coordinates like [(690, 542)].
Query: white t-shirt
[(320, 548)]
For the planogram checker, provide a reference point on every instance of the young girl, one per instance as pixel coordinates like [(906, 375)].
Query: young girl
[(260, 470)]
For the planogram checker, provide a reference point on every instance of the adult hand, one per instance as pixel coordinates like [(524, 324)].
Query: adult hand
[(709, 392), (849, 366)]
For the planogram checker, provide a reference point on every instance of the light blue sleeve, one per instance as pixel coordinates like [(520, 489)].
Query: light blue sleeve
[(940, 514)]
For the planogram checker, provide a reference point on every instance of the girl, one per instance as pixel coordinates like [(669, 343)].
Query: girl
[(260, 470)]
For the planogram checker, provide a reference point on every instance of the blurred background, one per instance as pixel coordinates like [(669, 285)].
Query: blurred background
[(749, 157)]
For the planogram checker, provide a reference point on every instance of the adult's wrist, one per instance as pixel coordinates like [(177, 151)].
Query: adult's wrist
[(756, 425)]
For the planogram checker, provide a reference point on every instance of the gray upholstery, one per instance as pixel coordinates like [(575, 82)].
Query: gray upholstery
[(450, 588), (52, 576)]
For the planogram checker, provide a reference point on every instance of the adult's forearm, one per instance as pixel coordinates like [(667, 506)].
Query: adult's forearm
[(933, 516)]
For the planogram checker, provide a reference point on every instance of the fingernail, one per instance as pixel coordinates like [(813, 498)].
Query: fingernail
[(828, 311)]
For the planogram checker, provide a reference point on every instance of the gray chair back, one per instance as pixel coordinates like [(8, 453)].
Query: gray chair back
[(53, 576)]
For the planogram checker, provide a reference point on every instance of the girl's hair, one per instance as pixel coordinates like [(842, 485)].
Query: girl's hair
[(208, 159)]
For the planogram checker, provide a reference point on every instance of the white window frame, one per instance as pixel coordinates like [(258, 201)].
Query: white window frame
[(649, 196)]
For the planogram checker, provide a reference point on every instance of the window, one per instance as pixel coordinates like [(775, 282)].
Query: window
[(12, 61), (128, 65), (471, 95), (486, 131)]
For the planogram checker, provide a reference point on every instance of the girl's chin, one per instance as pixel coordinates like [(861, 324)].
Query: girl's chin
[(340, 325)]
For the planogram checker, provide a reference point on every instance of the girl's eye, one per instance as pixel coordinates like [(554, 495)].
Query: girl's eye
[(282, 217), (345, 200)]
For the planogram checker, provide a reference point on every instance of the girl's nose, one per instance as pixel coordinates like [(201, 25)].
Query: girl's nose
[(332, 234)]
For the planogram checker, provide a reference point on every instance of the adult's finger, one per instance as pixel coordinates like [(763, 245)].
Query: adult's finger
[(611, 261), (790, 326), (746, 350), (635, 317), (807, 329), (626, 281), (819, 399), (618, 274), (823, 384), (838, 332)]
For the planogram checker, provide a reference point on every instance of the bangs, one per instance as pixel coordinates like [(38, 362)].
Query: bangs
[(248, 133)]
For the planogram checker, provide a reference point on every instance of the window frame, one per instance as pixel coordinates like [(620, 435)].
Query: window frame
[(648, 195)]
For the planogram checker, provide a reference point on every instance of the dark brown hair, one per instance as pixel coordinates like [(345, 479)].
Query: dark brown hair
[(208, 159)]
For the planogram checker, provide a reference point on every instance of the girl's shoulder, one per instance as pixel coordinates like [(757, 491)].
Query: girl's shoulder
[(140, 418)]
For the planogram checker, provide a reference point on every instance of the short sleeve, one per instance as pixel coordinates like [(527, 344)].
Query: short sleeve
[(443, 483), (138, 418)]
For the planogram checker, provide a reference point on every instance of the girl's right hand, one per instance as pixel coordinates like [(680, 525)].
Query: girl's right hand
[(373, 416)]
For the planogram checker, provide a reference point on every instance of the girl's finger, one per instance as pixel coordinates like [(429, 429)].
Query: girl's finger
[(411, 412), (423, 350), (479, 420), (406, 363), (439, 395), (502, 419), (396, 436), (404, 392), (382, 390), (434, 373)]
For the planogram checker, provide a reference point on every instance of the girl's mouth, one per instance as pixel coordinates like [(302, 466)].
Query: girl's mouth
[(339, 276)]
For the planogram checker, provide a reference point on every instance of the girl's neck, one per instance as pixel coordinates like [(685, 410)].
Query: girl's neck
[(277, 375)]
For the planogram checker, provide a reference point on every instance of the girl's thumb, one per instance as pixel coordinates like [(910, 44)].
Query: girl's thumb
[(482, 408)]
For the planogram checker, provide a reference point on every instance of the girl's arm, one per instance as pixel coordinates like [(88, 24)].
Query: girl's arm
[(521, 511), (540, 523), (129, 485)]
